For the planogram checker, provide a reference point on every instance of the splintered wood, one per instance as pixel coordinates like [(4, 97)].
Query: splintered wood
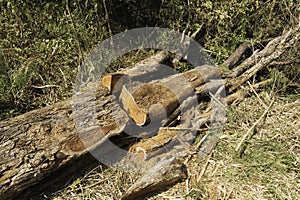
[(164, 174), (53, 141), (154, 101), (44, 147), (115, 81), (157, 102), (135, 112), (145, 146)]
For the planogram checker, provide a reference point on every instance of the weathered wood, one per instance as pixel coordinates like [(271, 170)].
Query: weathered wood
[(235, 57), (165, 173), (261, 59), (157, 100), (158, 178), (30, 146), (37, 144), (141, 72), (149, 182), (114, 81)]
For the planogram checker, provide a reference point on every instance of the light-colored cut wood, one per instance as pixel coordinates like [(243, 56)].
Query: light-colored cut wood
[(115, 81)]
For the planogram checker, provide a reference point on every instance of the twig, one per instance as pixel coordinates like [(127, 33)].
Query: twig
[(259, 99), (64, 76), (107, 17), (185, 129), (204, 167), (285, 62), (45, 86), (253, 126), (271, 52)]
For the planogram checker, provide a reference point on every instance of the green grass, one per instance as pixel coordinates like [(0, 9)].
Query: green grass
[(43, 44)]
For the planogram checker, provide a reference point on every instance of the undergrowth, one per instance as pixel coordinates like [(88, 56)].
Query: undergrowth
[(267, 168), (43, 43)]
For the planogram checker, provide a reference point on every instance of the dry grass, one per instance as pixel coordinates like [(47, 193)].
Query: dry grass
[(269, 165), (266, 167), (97, 184)]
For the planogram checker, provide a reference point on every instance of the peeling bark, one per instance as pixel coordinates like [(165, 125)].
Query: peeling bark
[(50, 141), (39, 143)]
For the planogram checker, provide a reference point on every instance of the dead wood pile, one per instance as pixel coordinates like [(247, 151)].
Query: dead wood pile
[(44, 146)]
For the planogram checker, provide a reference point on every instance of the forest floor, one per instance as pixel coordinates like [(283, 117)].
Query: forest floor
[(267, 166)]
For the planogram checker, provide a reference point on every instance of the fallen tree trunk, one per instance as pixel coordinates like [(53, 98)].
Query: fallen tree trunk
[(37, 145), (159, 99)]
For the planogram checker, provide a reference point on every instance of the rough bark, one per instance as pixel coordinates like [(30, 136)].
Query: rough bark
[(37, 144), (235, 57), (158, 99), (166, 173), (50, 141), (234, 79)]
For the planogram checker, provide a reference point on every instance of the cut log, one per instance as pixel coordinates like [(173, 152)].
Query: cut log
[(154, 101), (207, 144), (38, 144), (141, 72), (51, 141)]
